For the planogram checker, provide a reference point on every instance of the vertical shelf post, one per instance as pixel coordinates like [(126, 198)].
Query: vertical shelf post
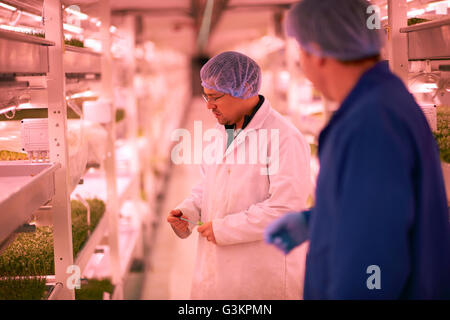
[(130, 60), (133, 125), (112, 206), (397, 44), (57, 126)]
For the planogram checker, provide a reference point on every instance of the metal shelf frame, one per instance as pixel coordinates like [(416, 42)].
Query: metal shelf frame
[(81, 61), (25, 188), (33, 50), (61, 60), (94, 240)]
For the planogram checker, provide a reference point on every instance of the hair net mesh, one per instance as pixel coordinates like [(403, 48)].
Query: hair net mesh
[(339, 27), (233, 73)]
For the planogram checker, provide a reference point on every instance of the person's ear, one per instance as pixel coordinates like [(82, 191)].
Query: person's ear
[(322, 61), (317, 61)]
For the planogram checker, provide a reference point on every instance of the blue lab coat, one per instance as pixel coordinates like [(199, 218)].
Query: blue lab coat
[(381, 217)]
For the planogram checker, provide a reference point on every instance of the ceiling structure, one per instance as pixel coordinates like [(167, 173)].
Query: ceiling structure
[(189, 26), (178, 23)]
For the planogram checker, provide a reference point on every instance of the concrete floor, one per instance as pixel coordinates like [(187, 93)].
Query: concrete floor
[(171, 263)]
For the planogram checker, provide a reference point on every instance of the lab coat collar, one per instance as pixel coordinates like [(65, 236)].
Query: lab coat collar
[(259, 117), (248, 118), (256, 123)]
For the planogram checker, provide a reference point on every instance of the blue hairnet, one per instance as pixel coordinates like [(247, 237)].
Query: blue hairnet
[(233, 73), (339, 27)]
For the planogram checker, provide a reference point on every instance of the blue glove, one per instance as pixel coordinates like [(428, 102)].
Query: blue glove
[(289, 231)]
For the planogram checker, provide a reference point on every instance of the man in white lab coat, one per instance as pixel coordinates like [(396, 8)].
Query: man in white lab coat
[(261, 172)]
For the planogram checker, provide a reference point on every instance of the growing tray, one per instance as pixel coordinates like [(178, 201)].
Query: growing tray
[(24, 188)]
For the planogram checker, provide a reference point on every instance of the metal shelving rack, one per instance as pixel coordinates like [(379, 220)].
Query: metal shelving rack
[(51, 183)]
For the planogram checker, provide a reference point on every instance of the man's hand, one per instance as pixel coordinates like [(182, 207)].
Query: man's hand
[(177, 224), (206, 230)]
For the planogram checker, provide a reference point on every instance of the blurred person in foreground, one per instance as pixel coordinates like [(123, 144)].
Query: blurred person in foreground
[(236, 200), (380, 225)]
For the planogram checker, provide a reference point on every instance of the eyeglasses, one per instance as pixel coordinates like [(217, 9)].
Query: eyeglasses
[(211, 99)]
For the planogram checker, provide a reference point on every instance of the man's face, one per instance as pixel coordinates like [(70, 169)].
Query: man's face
[(227, 109)]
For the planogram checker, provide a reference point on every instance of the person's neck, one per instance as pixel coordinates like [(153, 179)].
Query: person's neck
[(345, 77), (248, 107)]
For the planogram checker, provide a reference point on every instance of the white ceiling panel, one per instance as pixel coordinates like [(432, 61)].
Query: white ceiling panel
[(149, 4)]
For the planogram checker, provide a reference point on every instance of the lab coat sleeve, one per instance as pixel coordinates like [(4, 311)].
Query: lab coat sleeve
[(369, 254), (191, 206), (288, 192)]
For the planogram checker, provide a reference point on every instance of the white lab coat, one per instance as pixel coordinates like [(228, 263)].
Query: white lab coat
[(241, 202)]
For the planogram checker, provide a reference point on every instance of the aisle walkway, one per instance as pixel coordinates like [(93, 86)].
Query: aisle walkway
[(172, 260)]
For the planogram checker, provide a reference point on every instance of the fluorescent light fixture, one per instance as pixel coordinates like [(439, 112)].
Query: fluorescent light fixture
[(9, 109), (94, 44), (72, 28), (429, 86), (439, 3), (17, 29), (8, 7), (440, 7), (424, 88), (416, 12), (284, 75), (95, 21), (84, 94), (80, 15), (35, 17), (25, 106)]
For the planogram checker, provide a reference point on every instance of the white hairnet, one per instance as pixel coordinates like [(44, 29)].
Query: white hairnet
[(339, 27), (233, 73)]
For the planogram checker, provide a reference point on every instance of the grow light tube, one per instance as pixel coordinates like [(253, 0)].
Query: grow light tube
[(25, 13), (94, 44), (416, 12), (7, 6), (95, 21), (440, 7), (15, 105), (439, 3), (35, 17), (426, 88), (18, 29), (72, 28), (79, 14), (83, 94), (9, 109)]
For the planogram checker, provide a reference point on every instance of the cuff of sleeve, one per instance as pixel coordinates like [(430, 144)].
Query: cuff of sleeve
[(217, 226)]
